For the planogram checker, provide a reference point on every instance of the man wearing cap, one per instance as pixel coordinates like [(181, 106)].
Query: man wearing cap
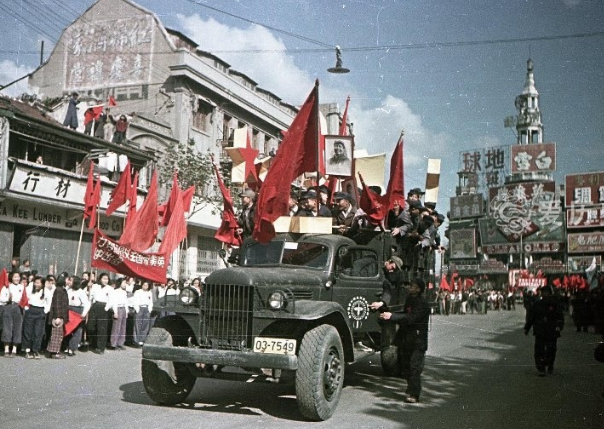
[(412, 337), (414, 194), (343, 213), (546, 318), (246, 216), (293, 204), (392, 293), (313, 208)]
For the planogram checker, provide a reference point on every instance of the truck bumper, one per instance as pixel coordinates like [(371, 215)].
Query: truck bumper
[(220, 357)]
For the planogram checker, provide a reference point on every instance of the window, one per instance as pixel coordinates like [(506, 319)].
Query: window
[(201, 117)]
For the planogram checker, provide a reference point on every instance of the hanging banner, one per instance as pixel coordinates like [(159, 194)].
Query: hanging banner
[(111, 256)]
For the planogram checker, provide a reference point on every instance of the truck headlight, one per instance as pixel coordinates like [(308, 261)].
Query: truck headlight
[(188, 296), (277, 300)]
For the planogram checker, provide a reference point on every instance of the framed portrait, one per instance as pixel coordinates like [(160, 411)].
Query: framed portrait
[(338, 155), (350, 186)]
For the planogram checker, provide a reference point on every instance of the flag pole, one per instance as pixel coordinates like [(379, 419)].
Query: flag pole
[(317, 141), (79, 246)]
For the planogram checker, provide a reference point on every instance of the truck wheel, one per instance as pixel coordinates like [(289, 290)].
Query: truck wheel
[(320, 373), (166, 382), (390, 365)]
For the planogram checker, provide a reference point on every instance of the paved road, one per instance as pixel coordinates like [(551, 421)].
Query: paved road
[(479, 374)]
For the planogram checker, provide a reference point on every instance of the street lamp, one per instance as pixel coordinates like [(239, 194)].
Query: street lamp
[(338, 69)]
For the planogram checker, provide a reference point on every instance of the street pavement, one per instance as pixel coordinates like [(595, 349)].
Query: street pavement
[(479, 374)]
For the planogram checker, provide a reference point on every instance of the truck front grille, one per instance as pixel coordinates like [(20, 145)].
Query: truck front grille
[(227, 316)]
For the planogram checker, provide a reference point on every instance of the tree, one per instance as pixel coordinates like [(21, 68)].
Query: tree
[(194, 168)]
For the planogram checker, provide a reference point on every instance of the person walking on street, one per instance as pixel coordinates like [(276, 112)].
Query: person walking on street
[(412, 337), (57, 318), (547, 320)]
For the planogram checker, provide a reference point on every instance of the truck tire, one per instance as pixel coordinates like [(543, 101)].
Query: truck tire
[(320, 373), (166, 382), (389, 358)]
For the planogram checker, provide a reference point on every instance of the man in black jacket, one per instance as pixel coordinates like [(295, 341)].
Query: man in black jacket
[(546, 318), (412, 337)]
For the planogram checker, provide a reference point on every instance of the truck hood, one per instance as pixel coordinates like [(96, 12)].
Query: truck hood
[(266, 276)]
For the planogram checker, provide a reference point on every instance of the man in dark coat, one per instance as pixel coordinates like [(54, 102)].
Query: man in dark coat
[(58, 316), (412, 337), (546, 318), (246, 217), (71, 118)]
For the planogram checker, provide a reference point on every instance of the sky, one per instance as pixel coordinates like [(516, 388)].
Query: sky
[(445, 71)]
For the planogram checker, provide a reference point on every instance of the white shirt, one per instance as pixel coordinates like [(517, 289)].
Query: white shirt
[(35, 299), (100, 293), (78, 298), (48, 293), (11, 293), (143, 297), (117, 299)]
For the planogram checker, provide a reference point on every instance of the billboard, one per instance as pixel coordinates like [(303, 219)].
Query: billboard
[(578, 264), (584, 189), (581, 216), (467, 206), (462, 243), (527, 158), (585, 242), (486, 167)]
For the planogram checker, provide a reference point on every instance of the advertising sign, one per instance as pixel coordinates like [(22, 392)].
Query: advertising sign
[(578, 264), (467, 206), (528, 158), (580, 216), (584, 189), (587, 242), (528, 211), (486, 167), (463, 243)]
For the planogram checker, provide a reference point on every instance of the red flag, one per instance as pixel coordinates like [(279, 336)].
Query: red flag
[(141, 230), (171, 203), (3, 278), (454, 278), (74, 321), (176, 231), (94, 201), (132, 198), (120, 194), (226, 232), (112, 102), (296, 155), (371, 204), (187, 198), (396, 184), (24, 301), (93, 113), (443, 283), (468, 283), (343, 127)]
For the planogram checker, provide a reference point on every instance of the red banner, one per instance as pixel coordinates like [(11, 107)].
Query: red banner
[(109, 255)]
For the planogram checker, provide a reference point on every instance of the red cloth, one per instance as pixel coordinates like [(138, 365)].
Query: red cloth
[(226, 231), (111, 256), (74, 320), (24, 301), (92, 197), (132, 197), (454, 278), (93, 113), (395, 192), (187, 198), (3, 278), (176, 231), (112, 102), (171, 203), (343, 127), (296, 155), (142, 229), (371, 204), (95, 201), (443, 284), (120, 193)]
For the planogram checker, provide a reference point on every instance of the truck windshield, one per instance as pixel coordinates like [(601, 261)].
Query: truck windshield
[(311, 255)]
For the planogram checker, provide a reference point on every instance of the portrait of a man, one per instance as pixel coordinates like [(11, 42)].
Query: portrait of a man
[(338, 155)]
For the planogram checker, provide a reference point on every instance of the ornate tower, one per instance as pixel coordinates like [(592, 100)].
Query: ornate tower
[(528, 121)]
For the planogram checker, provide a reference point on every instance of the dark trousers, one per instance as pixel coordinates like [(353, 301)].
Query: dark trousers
[(545, 352), (12, 324), (412, 365), (142, 324), (34, 322), (98, 322)]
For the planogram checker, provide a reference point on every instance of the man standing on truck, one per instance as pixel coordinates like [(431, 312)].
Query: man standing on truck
[(412, 337)]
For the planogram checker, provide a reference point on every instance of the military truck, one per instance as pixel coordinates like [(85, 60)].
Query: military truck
[(299, 303)]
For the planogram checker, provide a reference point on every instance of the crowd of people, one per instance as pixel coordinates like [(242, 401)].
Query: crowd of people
[(57, 316)]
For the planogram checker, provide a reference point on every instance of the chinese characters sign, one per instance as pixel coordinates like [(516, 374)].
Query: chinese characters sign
[(112, 51), (580, 216), (526, 209), (486, 167), (586, 242), (467, 206), (584, 189), (533, 157), (109, 255), (463, 243)]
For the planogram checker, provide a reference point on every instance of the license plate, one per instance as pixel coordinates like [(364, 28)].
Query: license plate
[(279, 346)]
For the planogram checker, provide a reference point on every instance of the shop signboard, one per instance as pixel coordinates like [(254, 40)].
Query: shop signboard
[(467, 206), (581, 216), (485, 167), (584, 189), (462, 243), (586, 242), (529, 158)]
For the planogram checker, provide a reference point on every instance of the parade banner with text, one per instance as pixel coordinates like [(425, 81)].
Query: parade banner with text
[(109, 255)]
